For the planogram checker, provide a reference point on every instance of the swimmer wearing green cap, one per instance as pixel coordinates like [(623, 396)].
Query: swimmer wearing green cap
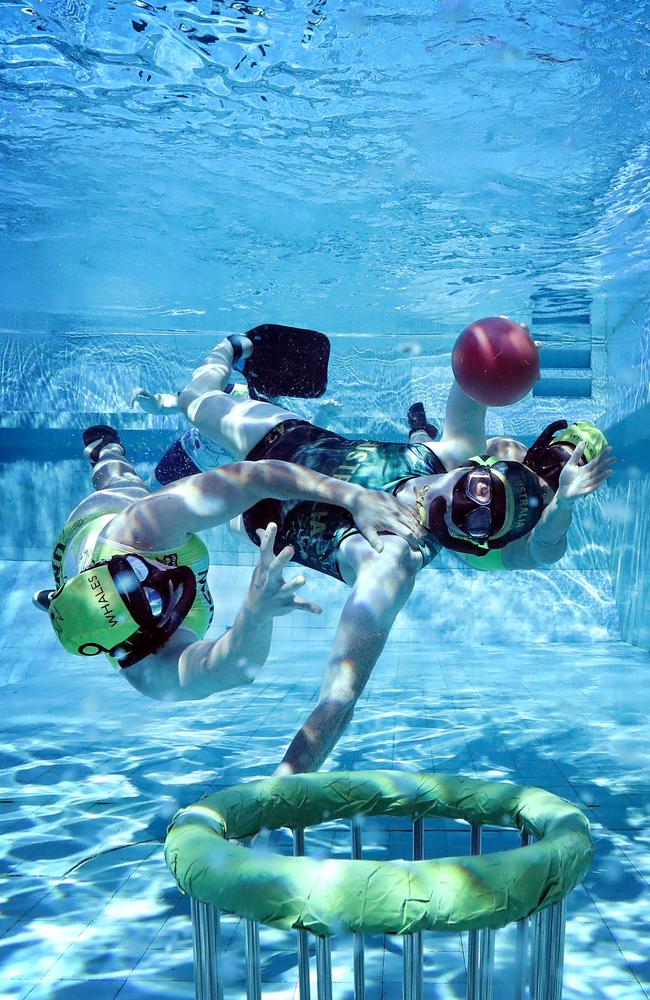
[(475, 497), (131, 572)]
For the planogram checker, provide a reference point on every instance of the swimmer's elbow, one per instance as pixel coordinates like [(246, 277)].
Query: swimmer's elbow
[(528, 553), (546, 555)]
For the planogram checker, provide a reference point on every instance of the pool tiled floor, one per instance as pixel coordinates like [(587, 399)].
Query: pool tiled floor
[(92, 773)]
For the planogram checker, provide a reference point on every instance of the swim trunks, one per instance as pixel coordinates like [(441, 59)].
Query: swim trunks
[(316, 530)]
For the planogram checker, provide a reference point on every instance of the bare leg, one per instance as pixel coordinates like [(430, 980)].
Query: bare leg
[(114, 471), (116, 483), (117, 486), (236, 425)]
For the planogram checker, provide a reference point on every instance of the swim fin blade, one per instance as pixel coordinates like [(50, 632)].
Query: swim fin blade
[(287, 361)]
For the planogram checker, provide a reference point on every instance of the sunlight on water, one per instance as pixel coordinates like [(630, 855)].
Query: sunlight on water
[(413, 167)]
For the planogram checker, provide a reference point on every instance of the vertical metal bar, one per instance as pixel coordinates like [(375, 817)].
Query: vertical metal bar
[(522, 945), (538, 964), (473, 955), (534, 956), (485, 963), (555, 920), (253, 969), (409, 950), (324, 968), (357, 939), (206, 941), (418, 957), (303, 937)]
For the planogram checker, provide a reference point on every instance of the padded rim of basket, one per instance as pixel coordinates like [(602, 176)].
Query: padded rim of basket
[(329, 895)]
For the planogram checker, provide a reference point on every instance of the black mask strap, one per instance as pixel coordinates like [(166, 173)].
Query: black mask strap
[(146, 641), (539, 446)]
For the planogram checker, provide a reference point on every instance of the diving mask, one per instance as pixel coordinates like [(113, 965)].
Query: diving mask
[(127, 606)]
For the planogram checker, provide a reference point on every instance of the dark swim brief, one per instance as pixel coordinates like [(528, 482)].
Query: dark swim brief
[(316, 530)]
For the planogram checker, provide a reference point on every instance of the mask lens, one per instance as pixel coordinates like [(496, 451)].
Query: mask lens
[(479, 487), (155, 601), (138, 566), (478, 523)]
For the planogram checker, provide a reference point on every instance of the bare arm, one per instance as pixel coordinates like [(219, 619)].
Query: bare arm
[(382, 586), (547, 541), (187, 670), (166, 518), (463, 433)]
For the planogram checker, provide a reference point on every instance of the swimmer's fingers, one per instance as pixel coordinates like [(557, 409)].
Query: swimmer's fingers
[(143, 398), (287, 599), (604, 460), (596, 479), (267, 541), (375, 512), (602, 465), (406, 526), (373, 539), (597, 471), (281, 561), (415, 530), (299, 604), (576, 454)]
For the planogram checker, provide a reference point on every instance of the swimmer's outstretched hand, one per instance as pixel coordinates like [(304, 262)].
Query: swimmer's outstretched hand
[(578, 480), (154, 402), (269, 595), (374, 511)]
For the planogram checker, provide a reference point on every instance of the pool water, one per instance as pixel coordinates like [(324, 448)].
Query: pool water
[(94, 773), (172, 172)]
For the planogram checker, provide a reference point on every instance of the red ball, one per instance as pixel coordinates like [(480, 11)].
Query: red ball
[(495, 361)]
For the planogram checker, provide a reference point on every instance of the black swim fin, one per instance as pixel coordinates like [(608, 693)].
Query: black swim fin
[(287, 361), (417, 421)]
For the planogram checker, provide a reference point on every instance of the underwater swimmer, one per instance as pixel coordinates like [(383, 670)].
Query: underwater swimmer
[(131, 573), (488, 507)]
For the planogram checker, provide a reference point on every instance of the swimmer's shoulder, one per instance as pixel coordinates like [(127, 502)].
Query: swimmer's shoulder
[(147, 525), (506, 448), (444, 454)]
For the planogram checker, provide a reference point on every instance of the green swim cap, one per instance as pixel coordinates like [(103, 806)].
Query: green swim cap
[(555, 445), (89, 615), (126, 606), (579, 431)]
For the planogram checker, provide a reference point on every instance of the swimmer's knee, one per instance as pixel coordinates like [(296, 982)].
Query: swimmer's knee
[(340, 697), (191, 400)]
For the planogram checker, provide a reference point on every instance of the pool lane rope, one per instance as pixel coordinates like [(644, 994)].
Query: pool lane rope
[(327, 896)]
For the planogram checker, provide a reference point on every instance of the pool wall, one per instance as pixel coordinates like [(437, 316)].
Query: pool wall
[(625, 505)]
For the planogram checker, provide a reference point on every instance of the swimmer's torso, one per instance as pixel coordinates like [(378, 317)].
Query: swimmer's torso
[(80, 545), (316, 530)]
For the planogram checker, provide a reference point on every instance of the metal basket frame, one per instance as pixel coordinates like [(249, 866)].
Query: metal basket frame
[(539, 960)]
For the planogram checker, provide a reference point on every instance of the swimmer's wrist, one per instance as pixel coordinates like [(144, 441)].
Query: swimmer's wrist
[(347, 495), (252, 613), (563, 502)]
